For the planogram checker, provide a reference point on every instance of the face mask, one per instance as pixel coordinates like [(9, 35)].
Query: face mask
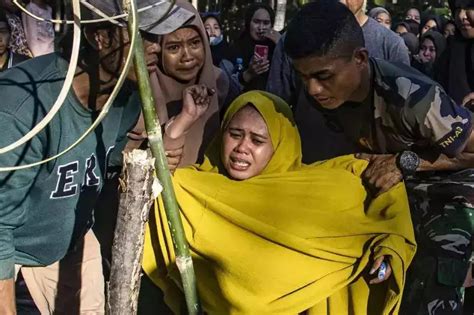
[(213, 40)]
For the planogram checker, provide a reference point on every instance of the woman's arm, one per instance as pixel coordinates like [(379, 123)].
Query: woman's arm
[(196, 101)]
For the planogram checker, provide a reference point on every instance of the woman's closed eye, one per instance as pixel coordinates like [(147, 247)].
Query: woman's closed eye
[(235, 135), (323, 77), (258, 141)]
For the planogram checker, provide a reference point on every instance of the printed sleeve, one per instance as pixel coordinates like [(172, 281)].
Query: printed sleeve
[(14, 187), (234, 89), (441, 121)]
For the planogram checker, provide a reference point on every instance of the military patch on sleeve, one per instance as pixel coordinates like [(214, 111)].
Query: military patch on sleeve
[(450, 123)]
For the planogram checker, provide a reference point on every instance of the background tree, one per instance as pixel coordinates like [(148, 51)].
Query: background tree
[(280, 15)]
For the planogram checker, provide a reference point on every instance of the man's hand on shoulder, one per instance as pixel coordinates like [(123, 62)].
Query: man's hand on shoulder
[(7, 297), (382, 172)]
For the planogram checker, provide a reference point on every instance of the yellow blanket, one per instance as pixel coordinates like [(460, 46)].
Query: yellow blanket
[(285, 242)]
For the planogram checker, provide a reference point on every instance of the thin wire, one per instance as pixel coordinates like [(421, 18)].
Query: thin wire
[(107, 105), (64, 90), (105, 17)]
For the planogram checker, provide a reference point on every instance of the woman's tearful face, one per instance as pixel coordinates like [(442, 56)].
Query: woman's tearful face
[(247, 147), (183, 54)]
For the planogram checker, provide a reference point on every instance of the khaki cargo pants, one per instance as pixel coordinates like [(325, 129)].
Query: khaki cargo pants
[(74, 285)]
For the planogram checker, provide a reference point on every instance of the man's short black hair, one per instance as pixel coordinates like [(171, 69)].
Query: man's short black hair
[(321, 28)]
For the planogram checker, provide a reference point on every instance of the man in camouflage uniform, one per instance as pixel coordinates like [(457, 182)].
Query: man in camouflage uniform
[(443, 216), (405, 125)]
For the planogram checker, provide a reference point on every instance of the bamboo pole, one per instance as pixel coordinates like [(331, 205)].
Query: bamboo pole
[(153, 128)]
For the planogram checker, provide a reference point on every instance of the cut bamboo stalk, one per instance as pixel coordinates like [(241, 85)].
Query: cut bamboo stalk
[(136, 198)]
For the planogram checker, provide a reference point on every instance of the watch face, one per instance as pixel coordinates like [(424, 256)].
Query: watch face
[(409, 161)]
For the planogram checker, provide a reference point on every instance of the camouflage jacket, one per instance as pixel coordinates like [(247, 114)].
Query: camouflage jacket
[(406, 110)]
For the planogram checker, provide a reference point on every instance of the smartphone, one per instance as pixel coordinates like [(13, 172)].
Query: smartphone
[(261, 51)]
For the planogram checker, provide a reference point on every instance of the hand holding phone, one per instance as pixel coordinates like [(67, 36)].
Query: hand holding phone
[(261, 52), (257, 66)]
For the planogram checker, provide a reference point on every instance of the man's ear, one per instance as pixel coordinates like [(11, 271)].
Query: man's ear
[(361, 57)]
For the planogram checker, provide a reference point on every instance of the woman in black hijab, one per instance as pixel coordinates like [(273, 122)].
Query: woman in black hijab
[(455, 70), (255, 46), (449, 28), (408, 26), (431, 22), (219, 46), (432, 46)]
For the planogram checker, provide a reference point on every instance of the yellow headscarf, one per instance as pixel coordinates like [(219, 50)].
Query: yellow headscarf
[(295, 238), (281, 126)]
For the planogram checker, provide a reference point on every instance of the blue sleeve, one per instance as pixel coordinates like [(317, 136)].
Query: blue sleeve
[(234, 86), (14, 188), (398, 51), (282, 77)]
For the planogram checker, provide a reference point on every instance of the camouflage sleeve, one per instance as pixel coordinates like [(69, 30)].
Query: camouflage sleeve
[(439, 120)]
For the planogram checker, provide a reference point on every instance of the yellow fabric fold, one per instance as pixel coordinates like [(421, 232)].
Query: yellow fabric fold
[(295, 238)]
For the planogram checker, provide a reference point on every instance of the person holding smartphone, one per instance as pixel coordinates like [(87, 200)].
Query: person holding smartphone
[(255, 46)]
